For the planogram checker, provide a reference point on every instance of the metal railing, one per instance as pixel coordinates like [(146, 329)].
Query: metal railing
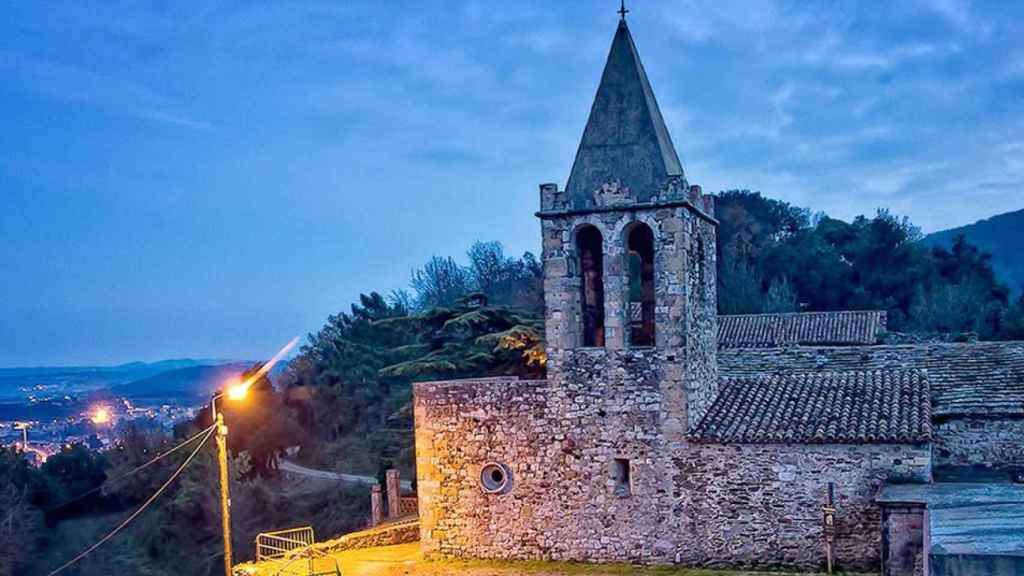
[(293, 552), (276, 545)]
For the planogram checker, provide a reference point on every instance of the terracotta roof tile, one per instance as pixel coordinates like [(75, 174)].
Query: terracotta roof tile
[(800, 328), (978, 379), (881, 406)]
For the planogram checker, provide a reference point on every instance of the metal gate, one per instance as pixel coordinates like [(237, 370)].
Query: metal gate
[(293, 553)]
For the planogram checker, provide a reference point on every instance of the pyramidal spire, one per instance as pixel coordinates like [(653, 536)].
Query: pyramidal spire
[(625, 143)]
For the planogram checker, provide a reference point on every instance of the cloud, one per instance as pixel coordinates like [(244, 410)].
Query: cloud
[(960, 15), (174, 119), (58, 81), (703, 21)]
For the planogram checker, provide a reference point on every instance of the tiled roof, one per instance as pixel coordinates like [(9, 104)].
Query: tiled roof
[(806, 328), (877, 407), (976, 379)]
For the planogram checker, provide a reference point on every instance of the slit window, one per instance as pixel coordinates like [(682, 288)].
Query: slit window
[(589, 246), (701, 265), (640, 242), (621, 477)]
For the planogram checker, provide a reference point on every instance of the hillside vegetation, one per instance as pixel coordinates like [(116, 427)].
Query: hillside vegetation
[(1001, 236)]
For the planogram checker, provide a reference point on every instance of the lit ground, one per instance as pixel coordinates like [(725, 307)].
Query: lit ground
[(406, 560)]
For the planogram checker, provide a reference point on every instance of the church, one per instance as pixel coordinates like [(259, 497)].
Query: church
[(666, 434)]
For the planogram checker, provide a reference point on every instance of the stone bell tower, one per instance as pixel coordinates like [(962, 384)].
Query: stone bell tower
[(629, 255)]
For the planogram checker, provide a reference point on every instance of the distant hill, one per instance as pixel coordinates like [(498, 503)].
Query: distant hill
[(183, 384), (58, 381), (1002, 236)]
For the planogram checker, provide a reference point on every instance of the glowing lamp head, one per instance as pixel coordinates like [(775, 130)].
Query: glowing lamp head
[(237, 389), (101, 415)]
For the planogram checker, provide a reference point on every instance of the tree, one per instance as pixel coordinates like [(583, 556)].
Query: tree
[(75, 471), (20, 520), (472, 338), (133, 448), (506, 281), (261, 424), (440, 282)]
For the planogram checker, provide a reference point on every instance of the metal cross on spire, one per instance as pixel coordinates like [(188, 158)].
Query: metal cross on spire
[(622, 9)]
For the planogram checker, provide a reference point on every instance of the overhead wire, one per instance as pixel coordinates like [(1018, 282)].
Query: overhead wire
[(135, 514), (131, 472)]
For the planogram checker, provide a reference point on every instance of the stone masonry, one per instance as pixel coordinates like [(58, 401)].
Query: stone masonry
[(973, 441), (699, 504), (685, 315), (603, 460), (760, 505)]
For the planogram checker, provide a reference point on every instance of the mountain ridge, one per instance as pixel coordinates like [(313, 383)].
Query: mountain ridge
[(999, 235)]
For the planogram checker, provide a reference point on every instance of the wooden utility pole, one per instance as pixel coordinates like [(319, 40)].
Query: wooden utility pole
[(225, 498), (829, 518)]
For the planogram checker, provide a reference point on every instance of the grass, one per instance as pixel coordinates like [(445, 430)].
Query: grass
[(406, 560), (570, 568)]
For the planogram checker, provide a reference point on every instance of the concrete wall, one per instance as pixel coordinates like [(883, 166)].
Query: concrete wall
[(986, 442), (708, 505)]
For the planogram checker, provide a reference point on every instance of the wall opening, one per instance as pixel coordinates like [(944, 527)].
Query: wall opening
[(701, 263), (589, 247), (640, 244), (496, 478), (621, 477)]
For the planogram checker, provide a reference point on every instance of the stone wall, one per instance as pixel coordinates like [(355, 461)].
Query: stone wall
[(401, 532), (560, 443), (903, 539), (685, 296), (699, 504), (996, 443), (702, 321), (760, 505)]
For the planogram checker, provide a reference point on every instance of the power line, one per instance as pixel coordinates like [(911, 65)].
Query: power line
[(135, 514), (135, 470)]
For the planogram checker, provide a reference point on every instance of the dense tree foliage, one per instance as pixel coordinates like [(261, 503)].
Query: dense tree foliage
[(775, 257), (22, 488), (998, 235), (353, 377), (261, 424)]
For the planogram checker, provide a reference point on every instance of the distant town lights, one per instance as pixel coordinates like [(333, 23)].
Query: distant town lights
[(101, 415)]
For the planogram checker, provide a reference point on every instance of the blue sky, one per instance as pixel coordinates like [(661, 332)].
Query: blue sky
[(206, 179)]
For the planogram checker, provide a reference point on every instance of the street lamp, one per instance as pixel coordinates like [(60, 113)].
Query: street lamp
[(234, 391)]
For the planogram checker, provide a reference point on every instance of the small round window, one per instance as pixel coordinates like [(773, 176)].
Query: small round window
[(496, 478)]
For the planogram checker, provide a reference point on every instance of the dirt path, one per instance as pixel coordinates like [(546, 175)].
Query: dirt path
[(383, 561)]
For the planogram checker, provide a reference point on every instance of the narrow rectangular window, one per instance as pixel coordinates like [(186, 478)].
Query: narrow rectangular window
[(620, 473), (590, 246)]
